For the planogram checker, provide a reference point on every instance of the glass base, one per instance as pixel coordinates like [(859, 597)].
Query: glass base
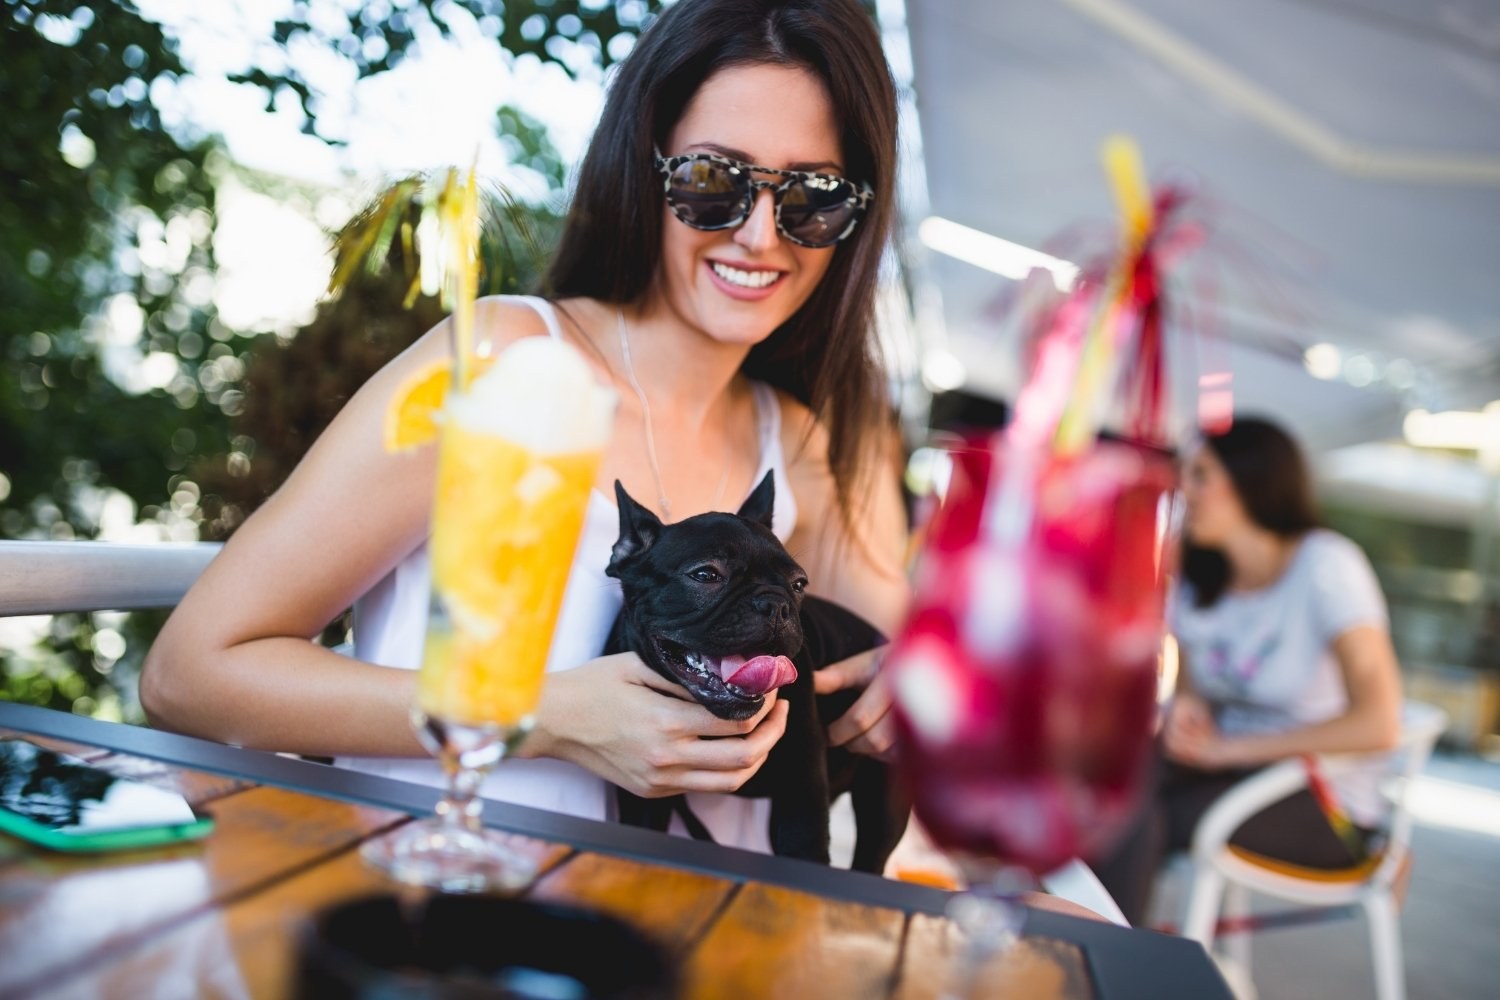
[(989, 916), (440, 856)]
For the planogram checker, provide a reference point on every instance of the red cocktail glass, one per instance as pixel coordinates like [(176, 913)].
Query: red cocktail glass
[(1026, 674)]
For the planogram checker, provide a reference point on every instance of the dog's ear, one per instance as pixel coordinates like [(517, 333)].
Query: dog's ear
[(639, 529), (757, 506)]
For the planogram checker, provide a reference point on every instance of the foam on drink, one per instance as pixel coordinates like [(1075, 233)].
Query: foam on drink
[(540, 394)]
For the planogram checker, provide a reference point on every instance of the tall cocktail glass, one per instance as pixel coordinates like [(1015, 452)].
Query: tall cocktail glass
[(518, 454), (1025, 678)]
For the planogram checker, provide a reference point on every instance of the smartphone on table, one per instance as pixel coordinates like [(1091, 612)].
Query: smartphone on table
[(67, 804)]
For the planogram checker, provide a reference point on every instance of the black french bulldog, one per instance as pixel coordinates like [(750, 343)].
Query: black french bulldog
[(716, 604)]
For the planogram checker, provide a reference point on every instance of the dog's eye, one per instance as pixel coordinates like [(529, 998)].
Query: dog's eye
[(798, 586), (706, 574)]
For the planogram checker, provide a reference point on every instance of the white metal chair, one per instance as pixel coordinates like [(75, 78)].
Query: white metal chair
[(1224, 875)]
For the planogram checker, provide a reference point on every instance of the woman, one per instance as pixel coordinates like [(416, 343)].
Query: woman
[(738, 337), (1285, 651)]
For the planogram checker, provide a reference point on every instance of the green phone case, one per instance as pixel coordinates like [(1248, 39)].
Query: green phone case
[(103, 840)]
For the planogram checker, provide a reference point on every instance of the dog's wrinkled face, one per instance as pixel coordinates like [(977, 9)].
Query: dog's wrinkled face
[(711, 602)]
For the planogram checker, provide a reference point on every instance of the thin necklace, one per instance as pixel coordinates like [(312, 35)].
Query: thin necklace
[(635, 383)]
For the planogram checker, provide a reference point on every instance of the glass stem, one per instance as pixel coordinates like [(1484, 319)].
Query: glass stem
[(990, 916), (460, 806)]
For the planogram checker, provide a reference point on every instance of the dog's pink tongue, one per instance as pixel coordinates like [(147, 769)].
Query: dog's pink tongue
[(759, 674)]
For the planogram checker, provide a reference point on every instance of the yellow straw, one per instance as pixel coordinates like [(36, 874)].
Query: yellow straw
[(465, 264), (1122, 164), (454, 259)]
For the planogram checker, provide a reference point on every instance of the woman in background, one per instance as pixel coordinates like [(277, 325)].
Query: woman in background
[(1285, 650)]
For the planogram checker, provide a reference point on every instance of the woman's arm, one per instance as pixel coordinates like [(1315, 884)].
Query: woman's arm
[(237, 660), (1372, 721), (856, 562)]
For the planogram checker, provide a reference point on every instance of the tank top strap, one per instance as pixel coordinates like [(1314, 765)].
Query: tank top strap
[(772, 460), (545, 310), (768, 421)]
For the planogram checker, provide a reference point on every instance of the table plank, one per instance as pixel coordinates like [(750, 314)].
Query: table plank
[(775, 942), (56, 911), (246, 948), (1037, 968), (671, 905)]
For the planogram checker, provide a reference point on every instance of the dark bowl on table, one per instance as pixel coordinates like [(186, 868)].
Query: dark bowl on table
[(477, 946)]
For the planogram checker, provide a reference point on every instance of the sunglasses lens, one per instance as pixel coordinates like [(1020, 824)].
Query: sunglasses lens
[(818, 211), (707, 195)]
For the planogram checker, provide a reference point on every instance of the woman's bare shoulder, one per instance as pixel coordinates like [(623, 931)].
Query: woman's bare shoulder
[(504, 319)]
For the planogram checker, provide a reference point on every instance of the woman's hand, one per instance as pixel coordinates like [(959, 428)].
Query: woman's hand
[(867, 727), (1191, 737), (618, 718)]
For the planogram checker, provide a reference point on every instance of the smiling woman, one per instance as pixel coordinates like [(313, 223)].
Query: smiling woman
[(738, 332)]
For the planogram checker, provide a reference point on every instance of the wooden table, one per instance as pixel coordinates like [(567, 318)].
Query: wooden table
[(219, 918)]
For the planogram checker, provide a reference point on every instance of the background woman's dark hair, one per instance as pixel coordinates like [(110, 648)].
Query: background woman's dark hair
[(611, 244), (1271, 479)]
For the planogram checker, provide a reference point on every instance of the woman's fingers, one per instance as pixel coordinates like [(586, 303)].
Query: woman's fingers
[(879, 741), (706, 724), (637, 672), (867, 727), (683, 715), (713, 765), (856, 671), (868, 710), (1184, 746), (737, 753)]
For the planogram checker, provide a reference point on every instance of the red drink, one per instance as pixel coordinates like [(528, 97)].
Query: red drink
[(1025, 677)]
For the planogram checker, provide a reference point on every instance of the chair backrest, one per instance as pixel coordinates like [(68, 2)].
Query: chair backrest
[(1421, 725), (41, 578)]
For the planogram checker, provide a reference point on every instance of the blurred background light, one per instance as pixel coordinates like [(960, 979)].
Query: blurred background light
[(1000, 256), (1459, 430), (1323, 361)]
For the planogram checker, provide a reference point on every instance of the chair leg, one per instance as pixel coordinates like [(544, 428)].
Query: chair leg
[(1385, 945), (1203, 905), (1236, 944)]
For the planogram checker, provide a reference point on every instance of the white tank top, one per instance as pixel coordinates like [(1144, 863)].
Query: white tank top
[(390, 619)]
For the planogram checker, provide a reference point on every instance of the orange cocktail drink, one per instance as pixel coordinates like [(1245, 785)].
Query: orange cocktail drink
[(516, 466), (505, 525)]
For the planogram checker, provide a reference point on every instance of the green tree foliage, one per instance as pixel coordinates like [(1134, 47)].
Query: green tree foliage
[(105, 257), (579, 35), (118, 383), (294, 388)]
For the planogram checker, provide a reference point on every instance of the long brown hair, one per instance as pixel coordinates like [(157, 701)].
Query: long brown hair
[(824, 354), (1271, 479)]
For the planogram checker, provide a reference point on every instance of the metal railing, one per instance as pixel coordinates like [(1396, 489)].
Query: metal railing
[(43, 578)]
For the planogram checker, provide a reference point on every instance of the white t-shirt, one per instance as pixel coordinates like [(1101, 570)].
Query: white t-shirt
[(1264, 661)]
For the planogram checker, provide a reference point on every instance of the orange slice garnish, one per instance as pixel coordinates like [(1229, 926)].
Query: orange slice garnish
[(411, 419)]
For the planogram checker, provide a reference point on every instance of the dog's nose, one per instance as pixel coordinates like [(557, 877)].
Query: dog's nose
[(776, 608)]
